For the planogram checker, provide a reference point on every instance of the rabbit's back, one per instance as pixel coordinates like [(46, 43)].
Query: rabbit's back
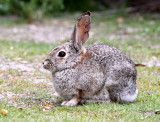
[(112, 55), (109, 57)]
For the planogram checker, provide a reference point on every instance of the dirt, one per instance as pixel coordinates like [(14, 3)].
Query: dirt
[(22, 70), (53, 30), (48, 32)]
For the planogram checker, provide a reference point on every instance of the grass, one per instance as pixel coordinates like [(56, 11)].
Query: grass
[(31, 98), (12, 49)]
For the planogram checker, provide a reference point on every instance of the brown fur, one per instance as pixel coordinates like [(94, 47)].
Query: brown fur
[(83, 55)]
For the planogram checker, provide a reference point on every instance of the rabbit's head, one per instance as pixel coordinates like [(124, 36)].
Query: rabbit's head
[(69, 54)]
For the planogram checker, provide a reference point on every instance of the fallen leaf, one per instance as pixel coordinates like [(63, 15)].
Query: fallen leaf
[(20, 108), (45, 103), (4, 112), (120, 20)]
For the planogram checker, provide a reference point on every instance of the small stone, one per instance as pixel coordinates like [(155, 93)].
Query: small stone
[(47, 107)]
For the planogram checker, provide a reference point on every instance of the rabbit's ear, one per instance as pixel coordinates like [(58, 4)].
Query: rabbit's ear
[(81, 31)]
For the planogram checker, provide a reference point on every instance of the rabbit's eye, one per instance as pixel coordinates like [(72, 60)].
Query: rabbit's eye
[(61, 54)]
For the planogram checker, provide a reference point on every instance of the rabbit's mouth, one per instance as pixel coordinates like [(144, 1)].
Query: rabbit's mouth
[(47, 64)]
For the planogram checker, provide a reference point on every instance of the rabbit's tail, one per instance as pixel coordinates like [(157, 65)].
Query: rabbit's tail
[(122, 85), (129, 97), (123, 93)]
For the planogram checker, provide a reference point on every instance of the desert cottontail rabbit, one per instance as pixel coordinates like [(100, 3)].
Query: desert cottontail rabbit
[(96, 73)]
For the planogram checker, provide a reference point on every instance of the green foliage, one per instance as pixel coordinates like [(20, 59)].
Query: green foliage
[(80, 5), (4, 6), (51, 6), (30, 9), (33, 9)]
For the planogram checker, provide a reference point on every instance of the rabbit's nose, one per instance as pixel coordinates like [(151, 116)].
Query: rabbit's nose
[(47, 64)]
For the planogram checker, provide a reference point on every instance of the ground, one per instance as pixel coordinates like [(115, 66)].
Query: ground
[(26, 89)]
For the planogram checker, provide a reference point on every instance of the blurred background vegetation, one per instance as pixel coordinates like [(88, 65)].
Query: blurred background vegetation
[(34, 9)]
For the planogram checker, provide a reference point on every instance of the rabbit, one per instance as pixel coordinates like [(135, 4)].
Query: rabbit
[(97, 73)]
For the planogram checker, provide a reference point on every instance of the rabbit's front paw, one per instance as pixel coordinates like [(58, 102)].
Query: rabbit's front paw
[(69, 103), (63, 103)]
